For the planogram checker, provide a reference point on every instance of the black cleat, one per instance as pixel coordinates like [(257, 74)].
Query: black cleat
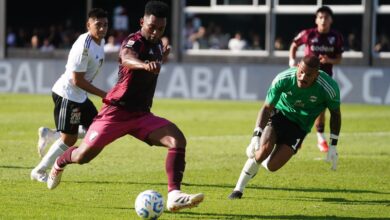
[(235, 195)]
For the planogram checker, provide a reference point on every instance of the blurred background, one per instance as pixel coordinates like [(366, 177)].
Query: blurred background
[(202, 65)]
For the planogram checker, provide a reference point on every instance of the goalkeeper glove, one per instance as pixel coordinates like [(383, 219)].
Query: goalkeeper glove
[(254, 145), (332, 156)]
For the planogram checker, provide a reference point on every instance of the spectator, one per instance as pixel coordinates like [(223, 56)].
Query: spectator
[(199, 39), (47, 46), (11, 37), (255, 42), (111, 46), (279, 44), (237, 43), (34, 42), (217, 39), (120, 19), (352, 43), (383, 43)]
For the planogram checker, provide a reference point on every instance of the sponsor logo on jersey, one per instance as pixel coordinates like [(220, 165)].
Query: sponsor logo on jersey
[(93, 135), (321, 48), (314, 40), (151, 51), (331, 40), (130, 43), (289, 93), (313, 98), (299, 103), (85, 52)]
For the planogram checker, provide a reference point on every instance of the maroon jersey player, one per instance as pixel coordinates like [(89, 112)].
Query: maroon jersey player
[(326, 44), (127, 106)]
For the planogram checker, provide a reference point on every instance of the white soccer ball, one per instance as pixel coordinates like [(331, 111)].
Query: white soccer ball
[(149, 204)]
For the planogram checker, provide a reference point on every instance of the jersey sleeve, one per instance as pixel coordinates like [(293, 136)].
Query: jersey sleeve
[(333, 98), (274, 91), (301, 38), (78, 59), (134, 45)]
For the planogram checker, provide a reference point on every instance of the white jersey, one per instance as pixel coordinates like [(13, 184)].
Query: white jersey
[(85, 56)]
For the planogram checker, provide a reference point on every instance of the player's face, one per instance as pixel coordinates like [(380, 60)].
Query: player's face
[(152, 28), (323, 21), (306, 75), (97, 27)]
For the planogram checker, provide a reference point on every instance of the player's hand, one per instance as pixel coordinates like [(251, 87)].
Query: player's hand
[(323, 59), (153, 67), (292, 62), (253, 146), (166, 51), (332, 156)]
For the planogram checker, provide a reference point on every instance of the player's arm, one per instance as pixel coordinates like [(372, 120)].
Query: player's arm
[(166, 51), (81, 82), (335, 122), (129, 59), (293, 54), (264, 115), (261, 122), (335, 126)]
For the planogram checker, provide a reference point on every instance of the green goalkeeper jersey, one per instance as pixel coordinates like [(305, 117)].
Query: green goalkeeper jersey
[(303, 105)]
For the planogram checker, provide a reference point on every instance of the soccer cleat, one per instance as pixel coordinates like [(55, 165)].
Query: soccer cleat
[(235, 195), (45, 135), (323, 146), (39, 175), (54, 178), (178, 200)]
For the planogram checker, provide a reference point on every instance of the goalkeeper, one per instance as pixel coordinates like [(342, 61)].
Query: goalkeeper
[(294, 100)]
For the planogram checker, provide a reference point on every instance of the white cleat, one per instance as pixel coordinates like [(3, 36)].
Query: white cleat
[(178, 200), (39, 175), (54, 178), (45, 135)]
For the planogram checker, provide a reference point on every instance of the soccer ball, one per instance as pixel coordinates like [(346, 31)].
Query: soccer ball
[(149, 204)]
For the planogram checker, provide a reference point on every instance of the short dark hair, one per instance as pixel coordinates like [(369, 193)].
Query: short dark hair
[(325, 9), (311, 61), (97, 13), (157, 8)]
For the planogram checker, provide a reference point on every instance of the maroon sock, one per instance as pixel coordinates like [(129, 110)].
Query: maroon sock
[(65, 158), (174, 166)]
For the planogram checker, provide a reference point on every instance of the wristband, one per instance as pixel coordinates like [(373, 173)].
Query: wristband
[(257, 131), (333, 139)]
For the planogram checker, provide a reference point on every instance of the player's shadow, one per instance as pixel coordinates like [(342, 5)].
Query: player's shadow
[(15, 167), (230, 187)]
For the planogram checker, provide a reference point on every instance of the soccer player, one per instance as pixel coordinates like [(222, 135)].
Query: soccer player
[(327, 45), (294, 100), (72, 107), (127, 109)]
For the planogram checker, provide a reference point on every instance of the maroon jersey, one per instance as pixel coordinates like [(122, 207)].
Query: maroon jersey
[(135, 88), (330, 44)]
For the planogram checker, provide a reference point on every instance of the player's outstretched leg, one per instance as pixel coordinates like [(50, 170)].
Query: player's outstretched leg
[(249, 170), (39, 175), (54, 178), (178, 200)]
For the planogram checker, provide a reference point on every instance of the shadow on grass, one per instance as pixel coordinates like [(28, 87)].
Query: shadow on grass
[(15, 167), (230, 187)]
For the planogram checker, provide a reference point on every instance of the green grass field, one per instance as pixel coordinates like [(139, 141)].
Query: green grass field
[(217, 133)]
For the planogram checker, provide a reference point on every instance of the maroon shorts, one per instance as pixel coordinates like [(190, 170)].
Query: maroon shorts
[(113, 122)]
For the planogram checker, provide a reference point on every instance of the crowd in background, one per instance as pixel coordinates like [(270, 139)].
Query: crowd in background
[(196, 36)]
